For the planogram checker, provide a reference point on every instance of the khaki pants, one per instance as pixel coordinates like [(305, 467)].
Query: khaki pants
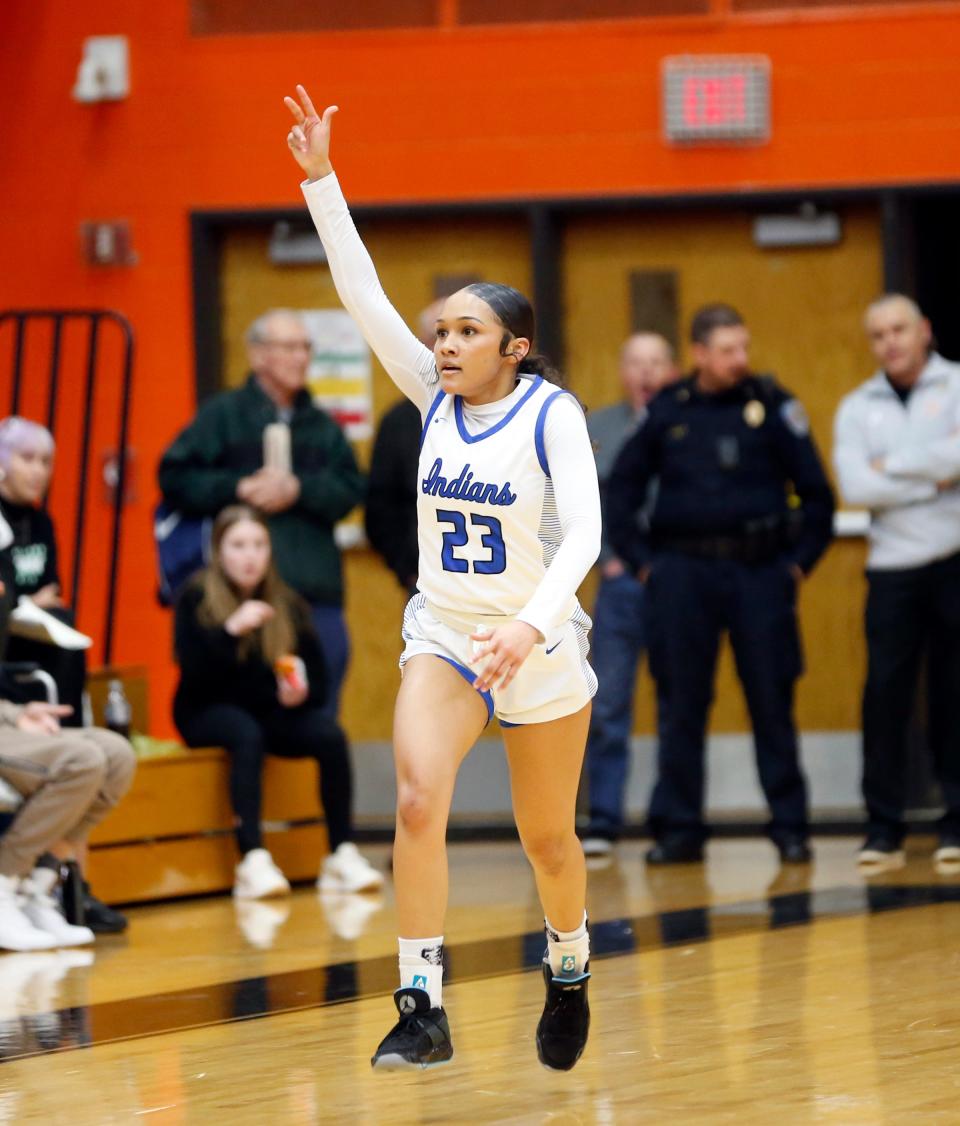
[(70, 781)]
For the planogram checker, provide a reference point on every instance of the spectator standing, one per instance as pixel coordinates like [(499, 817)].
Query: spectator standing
[(897, 452), (219, 460), (646, 365), (390, 514), (726, 550), (238, 629)]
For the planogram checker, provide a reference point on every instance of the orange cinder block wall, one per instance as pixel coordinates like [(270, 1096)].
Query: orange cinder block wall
[(860, 97)]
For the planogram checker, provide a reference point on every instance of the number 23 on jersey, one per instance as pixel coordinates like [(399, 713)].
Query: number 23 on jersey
[(491, 539)]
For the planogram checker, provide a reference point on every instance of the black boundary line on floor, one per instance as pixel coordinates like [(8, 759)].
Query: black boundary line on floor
[(506, 830), (493, 831), (295, 990)]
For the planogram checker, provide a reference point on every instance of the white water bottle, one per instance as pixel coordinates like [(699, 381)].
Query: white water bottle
[(117, 712), (276, 447)]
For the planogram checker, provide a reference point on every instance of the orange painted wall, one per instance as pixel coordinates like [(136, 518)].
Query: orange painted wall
[(444, 114)]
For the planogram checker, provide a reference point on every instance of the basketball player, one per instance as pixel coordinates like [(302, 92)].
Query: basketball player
[(508, 526)]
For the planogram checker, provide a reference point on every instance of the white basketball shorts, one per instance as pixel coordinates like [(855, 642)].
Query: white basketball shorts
[(554, 681)]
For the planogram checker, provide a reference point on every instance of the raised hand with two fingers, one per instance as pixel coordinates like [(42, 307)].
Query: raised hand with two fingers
[(309, 139)]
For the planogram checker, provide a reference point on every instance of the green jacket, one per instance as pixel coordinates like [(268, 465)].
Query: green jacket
[(200, 471)]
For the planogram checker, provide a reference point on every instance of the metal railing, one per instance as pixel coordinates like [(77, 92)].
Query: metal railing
[(96, 322)]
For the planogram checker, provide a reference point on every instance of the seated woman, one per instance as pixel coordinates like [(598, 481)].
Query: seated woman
[(238, 628), (26, 466)]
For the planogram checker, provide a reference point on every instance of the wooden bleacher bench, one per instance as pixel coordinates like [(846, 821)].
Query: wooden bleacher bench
[(172, 835)]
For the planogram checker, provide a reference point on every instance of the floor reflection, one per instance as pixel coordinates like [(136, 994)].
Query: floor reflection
[(31, 1022), (788, 903)]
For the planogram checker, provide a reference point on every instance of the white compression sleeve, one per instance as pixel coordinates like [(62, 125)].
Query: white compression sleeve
[(409, 363), (574, 474)]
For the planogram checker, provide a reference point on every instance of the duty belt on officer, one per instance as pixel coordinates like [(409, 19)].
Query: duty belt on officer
[(761, 544)]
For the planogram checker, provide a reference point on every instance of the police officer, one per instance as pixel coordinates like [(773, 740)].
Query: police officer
[(743, 512)]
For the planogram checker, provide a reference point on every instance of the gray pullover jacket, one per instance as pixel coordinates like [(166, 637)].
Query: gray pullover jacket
[(902, 461)]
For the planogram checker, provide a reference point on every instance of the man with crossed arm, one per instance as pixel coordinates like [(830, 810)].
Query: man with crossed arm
[(897, 452)]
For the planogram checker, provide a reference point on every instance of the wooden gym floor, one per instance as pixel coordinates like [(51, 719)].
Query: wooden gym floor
[(733, 992)]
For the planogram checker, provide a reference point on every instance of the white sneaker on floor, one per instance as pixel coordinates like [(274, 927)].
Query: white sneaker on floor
[(347, 870), (17, 932), (946, 860), (875, 859), (257, 877), (596, 846), (948, 851), (42, 910)]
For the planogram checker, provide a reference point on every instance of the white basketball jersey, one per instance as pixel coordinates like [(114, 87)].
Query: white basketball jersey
[(487, 518)]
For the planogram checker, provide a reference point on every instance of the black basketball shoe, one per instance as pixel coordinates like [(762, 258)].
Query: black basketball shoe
[(100, 918), (562, 1031), (420, 1037)]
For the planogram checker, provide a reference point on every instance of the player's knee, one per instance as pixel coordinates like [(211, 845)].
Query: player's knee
[(415, 808), (548, 852)]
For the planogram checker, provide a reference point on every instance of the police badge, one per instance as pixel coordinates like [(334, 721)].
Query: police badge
[(754, 413)]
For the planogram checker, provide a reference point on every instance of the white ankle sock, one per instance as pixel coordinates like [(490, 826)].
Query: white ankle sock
[(44, 879), (568, 951), (421, 966)]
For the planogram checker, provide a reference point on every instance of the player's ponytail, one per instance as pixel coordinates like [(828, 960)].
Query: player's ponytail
[(537, 364)]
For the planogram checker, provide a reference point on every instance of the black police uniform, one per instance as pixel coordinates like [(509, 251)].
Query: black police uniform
[(742, 495)]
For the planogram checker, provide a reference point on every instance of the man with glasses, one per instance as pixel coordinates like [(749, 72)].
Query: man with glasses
[(268, 445)]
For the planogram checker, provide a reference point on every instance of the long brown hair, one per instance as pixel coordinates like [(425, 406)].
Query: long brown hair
[(275, 638)]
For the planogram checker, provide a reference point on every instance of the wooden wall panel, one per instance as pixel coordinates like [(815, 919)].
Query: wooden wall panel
[(174, 796), (150, 870), (184, 794), (290, 790), (172, 833), (804, 309)]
